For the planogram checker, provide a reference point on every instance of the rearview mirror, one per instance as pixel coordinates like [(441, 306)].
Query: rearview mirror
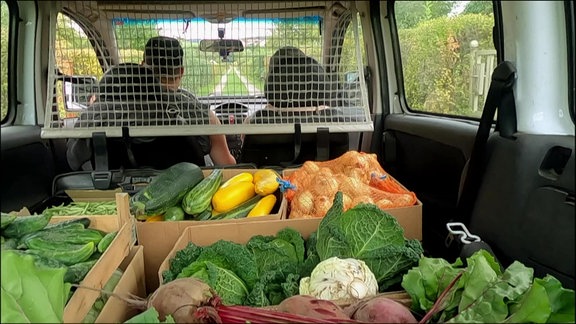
[(78, 91), (221, 45)]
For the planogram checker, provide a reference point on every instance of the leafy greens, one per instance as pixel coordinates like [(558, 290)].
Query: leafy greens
[(227, 267), (149, 316), (31, 294), (485, 293), (263, 272), (367, 233)]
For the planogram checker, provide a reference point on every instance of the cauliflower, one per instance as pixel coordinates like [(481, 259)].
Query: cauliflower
[(336, 278)]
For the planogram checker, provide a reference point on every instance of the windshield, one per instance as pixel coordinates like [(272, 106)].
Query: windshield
[(237, 74)]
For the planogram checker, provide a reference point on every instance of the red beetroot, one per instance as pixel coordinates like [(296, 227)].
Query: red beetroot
[(380, 310), (312, 307)]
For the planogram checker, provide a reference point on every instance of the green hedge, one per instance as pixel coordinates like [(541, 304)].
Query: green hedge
[(436, 75)]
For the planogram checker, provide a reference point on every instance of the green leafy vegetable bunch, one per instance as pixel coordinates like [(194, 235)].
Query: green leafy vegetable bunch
[(482, 293)]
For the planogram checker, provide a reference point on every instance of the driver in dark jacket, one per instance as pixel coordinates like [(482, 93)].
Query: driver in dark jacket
[(130, 95)]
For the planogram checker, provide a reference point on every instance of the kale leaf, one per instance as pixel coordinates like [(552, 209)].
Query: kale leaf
[(181, 260)]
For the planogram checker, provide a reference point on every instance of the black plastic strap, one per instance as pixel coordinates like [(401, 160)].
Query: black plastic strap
[(322, 144), (297, 145), (100, 149), (128, 144), (502, 82), (101, 176)]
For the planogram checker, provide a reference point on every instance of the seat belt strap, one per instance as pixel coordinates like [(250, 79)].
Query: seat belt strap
[(101, 176), (502, 82), (297, 145), (322, 144), (128, 144)]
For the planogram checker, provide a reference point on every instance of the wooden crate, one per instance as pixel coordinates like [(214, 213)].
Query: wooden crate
[(83, 299)]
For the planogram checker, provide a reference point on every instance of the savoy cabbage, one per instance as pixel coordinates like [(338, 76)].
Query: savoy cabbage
[(367, 233)]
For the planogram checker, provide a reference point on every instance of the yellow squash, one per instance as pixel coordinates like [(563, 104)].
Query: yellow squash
[(265, 182), (231, 196), (263, 207), (244, 176), (155, 218)]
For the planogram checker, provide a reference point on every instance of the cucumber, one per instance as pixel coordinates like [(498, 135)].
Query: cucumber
[(41, 261), (93, 313), (174, 213), (25, 225), (112, 283), (84, 221), (9, 244), (200, 197), (74, 254), (64, 235), (22, 240), (76, 272), (6, 219), (166, 190), (106, 241), (205, 215), (95, 256), (240, 211)]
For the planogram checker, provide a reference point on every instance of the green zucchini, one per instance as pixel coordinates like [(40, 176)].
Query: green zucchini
[(166, 190), (76, 272), (25, 225), (240, 211), (64, 235), (84, 221), (74, 254), (200, 197), (6, 219), (174, 213), (106, 241)]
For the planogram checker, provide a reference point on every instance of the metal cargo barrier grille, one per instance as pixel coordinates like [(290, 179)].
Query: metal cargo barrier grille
[(169, 68)]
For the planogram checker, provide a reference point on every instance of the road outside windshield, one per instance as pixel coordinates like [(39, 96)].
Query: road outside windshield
[(208, 73)]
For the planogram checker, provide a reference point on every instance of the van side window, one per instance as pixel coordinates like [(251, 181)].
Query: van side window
[(4, 32), (447, 55), (75, 55)]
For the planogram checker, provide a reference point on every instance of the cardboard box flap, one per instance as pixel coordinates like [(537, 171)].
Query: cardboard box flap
[(92, 195)]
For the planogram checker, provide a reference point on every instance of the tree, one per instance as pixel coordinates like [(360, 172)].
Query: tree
[(479, 7), (303, 34), (409, 13), (133, 35)]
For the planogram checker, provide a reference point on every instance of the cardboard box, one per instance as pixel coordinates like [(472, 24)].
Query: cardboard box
[(83, 299), (133, 282), (409, 215), (159, 237), (92, 194), (242, 232)]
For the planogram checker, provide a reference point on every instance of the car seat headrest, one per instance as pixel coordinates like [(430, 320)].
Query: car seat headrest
[(129, 82), (296, 80)]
